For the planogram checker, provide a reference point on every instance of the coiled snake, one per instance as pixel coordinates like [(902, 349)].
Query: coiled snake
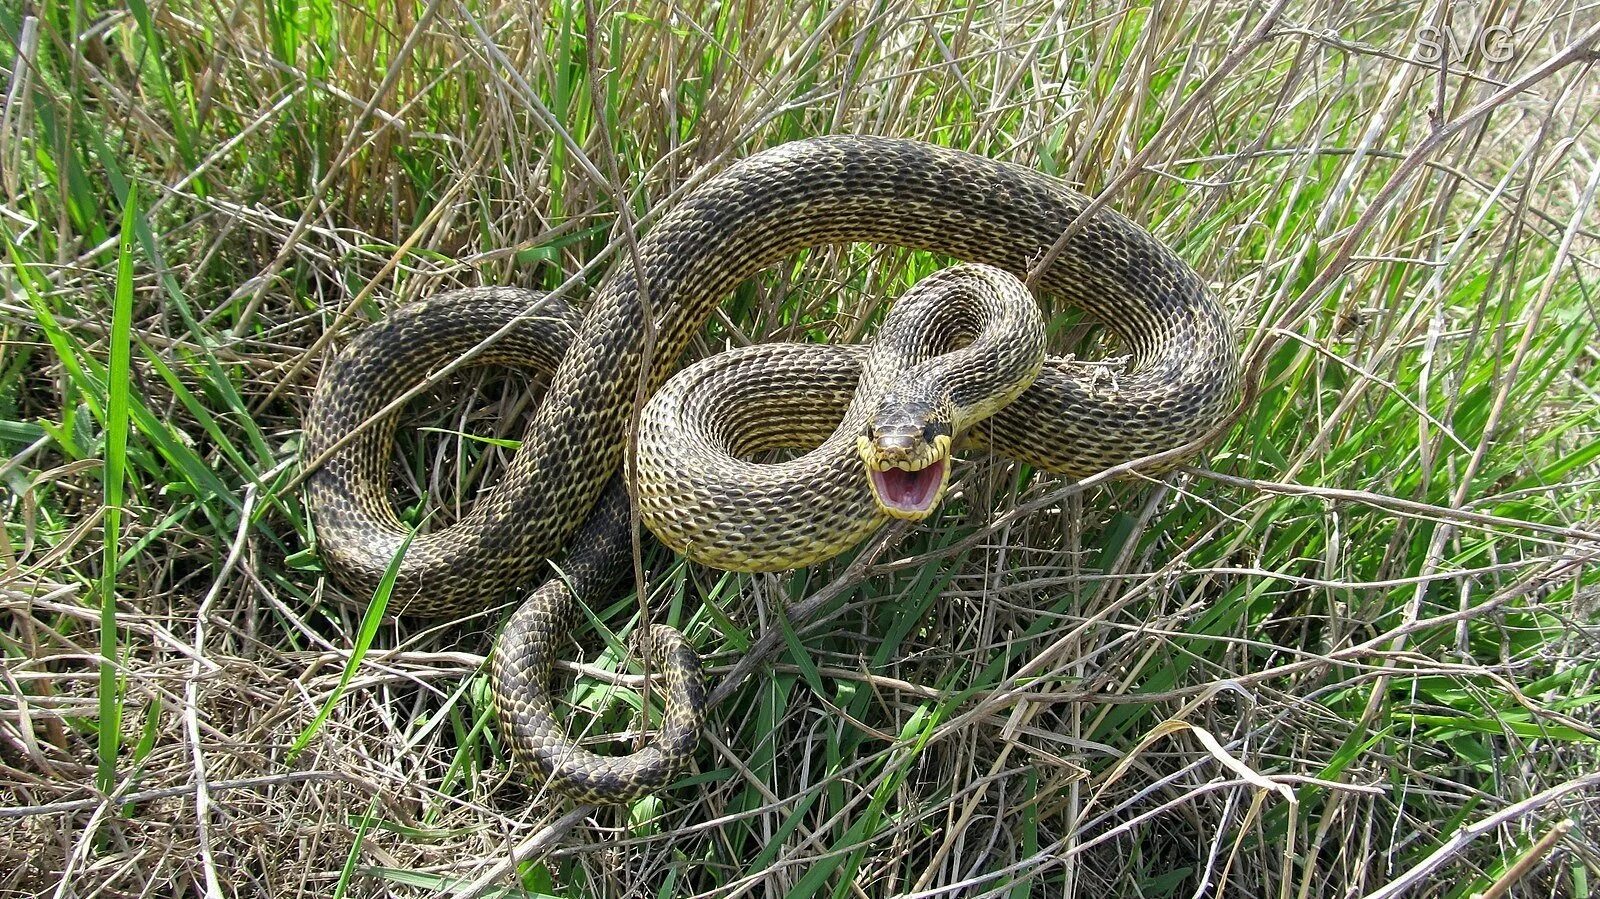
[(966, 329)]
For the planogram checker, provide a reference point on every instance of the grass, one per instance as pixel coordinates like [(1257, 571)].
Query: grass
[(1348, 651)]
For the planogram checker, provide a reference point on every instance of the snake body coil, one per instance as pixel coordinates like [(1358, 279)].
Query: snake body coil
[(1179, 385), (956, 349)]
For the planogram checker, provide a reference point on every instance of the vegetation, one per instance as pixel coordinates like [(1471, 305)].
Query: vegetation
[(1350, 651)]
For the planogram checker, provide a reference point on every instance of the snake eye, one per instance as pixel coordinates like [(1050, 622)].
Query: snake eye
[(931, 432)]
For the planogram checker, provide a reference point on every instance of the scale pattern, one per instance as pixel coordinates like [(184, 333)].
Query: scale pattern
[(972, 333)]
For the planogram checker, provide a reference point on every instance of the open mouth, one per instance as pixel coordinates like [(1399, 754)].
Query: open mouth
[(909, 494)]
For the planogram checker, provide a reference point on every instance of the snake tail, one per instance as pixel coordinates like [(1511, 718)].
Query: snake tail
[(524, 656)]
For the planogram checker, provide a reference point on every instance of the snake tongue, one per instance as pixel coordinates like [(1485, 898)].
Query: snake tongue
[(909, 494)]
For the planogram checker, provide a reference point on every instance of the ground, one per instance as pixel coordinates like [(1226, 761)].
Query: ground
[(1348, 650)]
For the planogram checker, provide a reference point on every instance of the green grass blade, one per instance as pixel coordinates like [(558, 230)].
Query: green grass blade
[(369, 629), (109, 732)]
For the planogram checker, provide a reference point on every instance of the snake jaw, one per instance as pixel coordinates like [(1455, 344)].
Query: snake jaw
[(907, 483), (907, 494)]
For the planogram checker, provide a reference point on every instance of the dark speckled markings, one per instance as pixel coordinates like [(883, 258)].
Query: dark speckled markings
[(960, 346), (1181, 382)]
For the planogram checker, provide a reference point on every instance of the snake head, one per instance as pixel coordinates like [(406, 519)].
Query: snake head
[(906, 451)]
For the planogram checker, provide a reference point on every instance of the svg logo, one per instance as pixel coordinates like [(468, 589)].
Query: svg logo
[(1490, 43)]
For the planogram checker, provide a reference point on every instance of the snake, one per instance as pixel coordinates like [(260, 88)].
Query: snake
[(963, 368)]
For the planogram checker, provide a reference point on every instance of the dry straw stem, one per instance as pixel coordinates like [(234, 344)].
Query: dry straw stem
[(1349, 650)]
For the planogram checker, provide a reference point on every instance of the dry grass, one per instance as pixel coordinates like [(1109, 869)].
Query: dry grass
[(1348, 653)]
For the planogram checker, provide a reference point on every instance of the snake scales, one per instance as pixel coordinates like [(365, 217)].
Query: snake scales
[(563, 486)]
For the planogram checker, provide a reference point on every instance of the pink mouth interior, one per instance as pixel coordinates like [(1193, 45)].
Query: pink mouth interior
[(909, 491)]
